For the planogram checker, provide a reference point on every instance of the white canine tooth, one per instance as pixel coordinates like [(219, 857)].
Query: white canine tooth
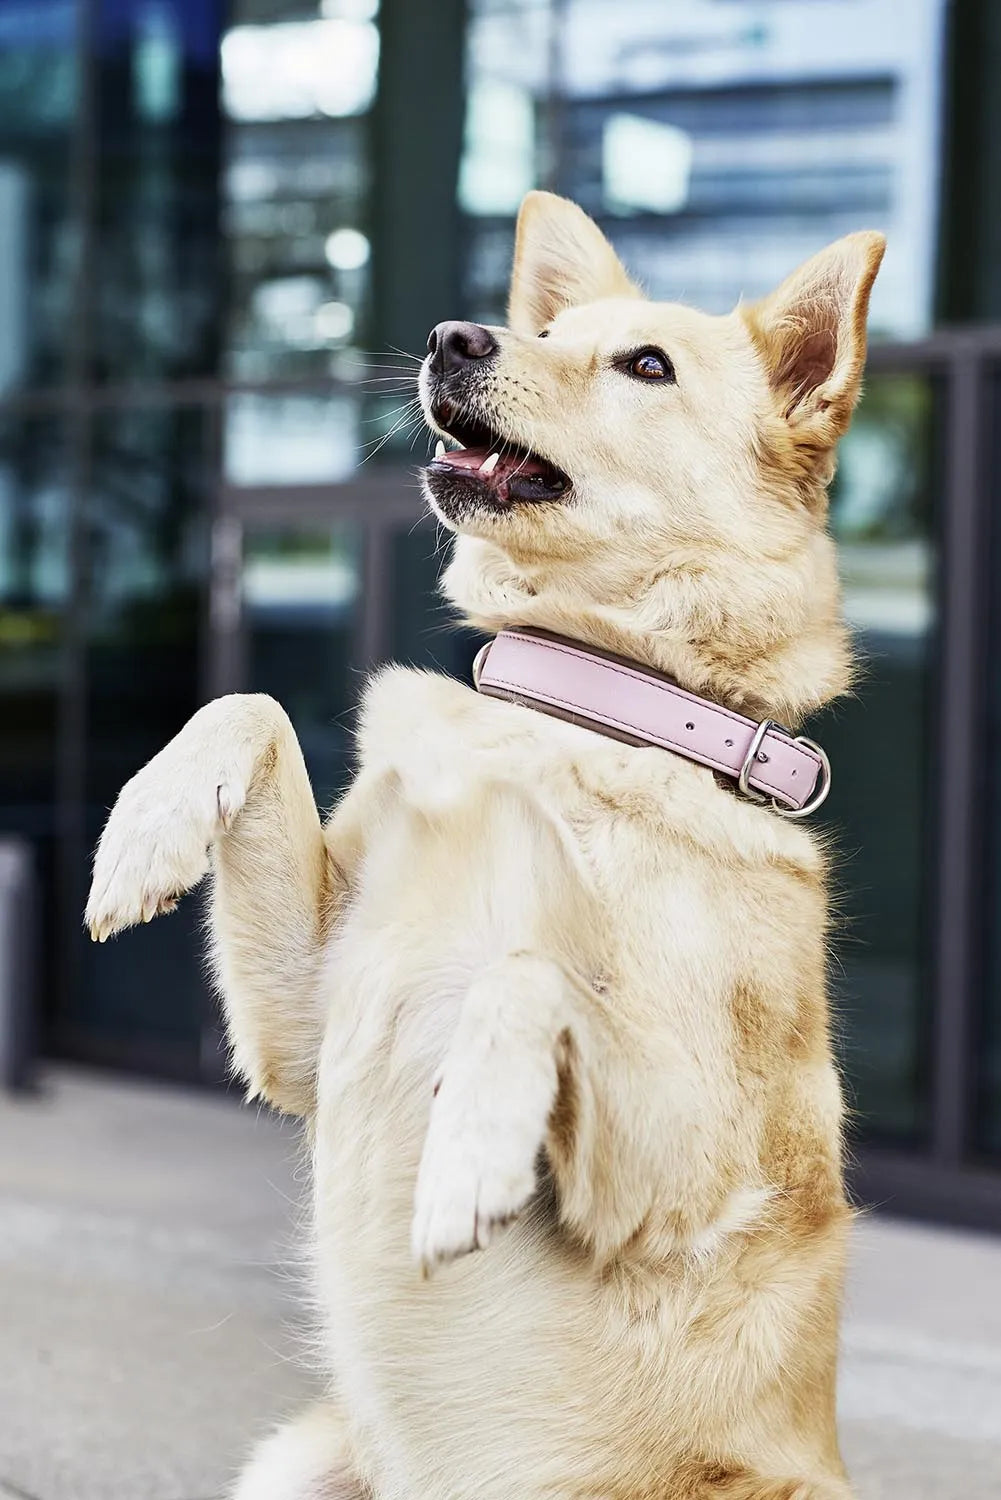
[(439, 449), (490, 463)]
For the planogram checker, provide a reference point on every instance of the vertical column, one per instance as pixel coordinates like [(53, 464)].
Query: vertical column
[(969, 282), (416, 141), (960, 760)]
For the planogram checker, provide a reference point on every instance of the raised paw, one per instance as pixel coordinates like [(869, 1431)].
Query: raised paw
[(155, 845), (478, 1168)]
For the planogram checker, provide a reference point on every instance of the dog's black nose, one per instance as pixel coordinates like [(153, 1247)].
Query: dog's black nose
[(452, 345)]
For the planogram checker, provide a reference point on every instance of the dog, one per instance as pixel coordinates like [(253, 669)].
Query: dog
[(551, 1003)]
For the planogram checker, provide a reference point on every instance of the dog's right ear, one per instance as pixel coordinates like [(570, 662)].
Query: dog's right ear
[(561, 260)]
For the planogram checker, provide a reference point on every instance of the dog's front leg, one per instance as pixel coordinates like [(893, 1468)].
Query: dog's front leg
[(621, 1111), (230, 793), (492, 1104)]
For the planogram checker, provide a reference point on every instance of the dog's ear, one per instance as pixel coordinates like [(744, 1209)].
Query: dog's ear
[(561, 259), (811, 335)]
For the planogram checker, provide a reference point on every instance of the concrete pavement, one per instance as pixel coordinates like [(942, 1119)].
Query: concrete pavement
[(149, 1327)]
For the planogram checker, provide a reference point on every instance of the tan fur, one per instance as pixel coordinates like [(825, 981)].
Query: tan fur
[(544, 995)]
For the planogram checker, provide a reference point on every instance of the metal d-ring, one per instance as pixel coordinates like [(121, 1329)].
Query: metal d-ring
[(821, 788), (478, 661), (751, 757)]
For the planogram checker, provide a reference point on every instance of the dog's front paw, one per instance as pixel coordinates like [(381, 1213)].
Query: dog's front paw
[(155, 845), (478, 1168)]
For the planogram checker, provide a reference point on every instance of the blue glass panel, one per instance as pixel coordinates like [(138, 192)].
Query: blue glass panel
[(38, 242), (157, 288)]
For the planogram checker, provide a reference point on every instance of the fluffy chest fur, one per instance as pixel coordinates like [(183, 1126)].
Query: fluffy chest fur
[(690, 920)]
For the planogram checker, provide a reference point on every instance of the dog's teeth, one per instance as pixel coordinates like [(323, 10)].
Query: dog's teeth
[(439, 449), (490, 463)]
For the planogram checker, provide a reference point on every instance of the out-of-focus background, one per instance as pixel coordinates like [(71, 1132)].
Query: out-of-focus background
[(225, 230)]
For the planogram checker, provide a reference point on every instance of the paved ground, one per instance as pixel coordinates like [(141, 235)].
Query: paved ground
[(148, 1317)]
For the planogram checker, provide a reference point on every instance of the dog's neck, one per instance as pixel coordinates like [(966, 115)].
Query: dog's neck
[(752, 665)]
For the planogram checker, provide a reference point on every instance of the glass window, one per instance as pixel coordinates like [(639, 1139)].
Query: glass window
[(34, 589), (718, 145), (317, 438), (882, 514), (297, 83), (290, 438), (157, 285), (301, 614), (38, 239), (987, 1040), (147, 522), (141, 999)]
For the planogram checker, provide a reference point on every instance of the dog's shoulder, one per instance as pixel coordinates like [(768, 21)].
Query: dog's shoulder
[(657, 800), (408, 710), (398, 700), (441, 740), (446, 741)]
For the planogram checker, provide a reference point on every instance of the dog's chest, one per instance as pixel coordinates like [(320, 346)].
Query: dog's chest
[(449, 882), (468, 837)]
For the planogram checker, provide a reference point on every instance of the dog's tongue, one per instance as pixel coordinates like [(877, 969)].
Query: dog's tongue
[(473, 459)]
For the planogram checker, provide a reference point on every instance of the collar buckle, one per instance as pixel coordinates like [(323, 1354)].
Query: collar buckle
[(755, 753)]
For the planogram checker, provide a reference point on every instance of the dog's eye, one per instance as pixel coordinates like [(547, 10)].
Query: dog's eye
[(650, 364), (543, 333)]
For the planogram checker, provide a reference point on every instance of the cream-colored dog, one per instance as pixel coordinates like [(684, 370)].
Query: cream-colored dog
[(541, 995)]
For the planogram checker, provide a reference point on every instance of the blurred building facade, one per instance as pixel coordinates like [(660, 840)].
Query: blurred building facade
[(224, 232)]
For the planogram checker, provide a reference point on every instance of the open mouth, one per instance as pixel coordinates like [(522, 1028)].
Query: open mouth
[(506, 472)]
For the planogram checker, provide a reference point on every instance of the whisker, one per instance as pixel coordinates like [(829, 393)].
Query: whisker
[(381, 442), (376, 354)]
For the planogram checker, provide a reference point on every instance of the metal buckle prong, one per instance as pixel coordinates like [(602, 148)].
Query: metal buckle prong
[(754, 754), (751, 757)]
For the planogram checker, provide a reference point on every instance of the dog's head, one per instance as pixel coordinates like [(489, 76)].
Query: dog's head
[(650, 478)]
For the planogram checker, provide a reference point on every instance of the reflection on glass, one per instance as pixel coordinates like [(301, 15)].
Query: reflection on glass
[(719, 144), (34, 585), (499, 151), (143, 996), (882, 515), (646, 165), (146, 571), (295, 184), (301, 601), (294, 439), (296, 69), (38, 85), (34, 582), (156, 271)]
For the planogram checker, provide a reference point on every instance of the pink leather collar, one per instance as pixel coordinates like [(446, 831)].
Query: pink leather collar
[(634, 704)]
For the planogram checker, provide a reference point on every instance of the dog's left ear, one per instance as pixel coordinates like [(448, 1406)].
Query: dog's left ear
[(811, 333), (561, 259)]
